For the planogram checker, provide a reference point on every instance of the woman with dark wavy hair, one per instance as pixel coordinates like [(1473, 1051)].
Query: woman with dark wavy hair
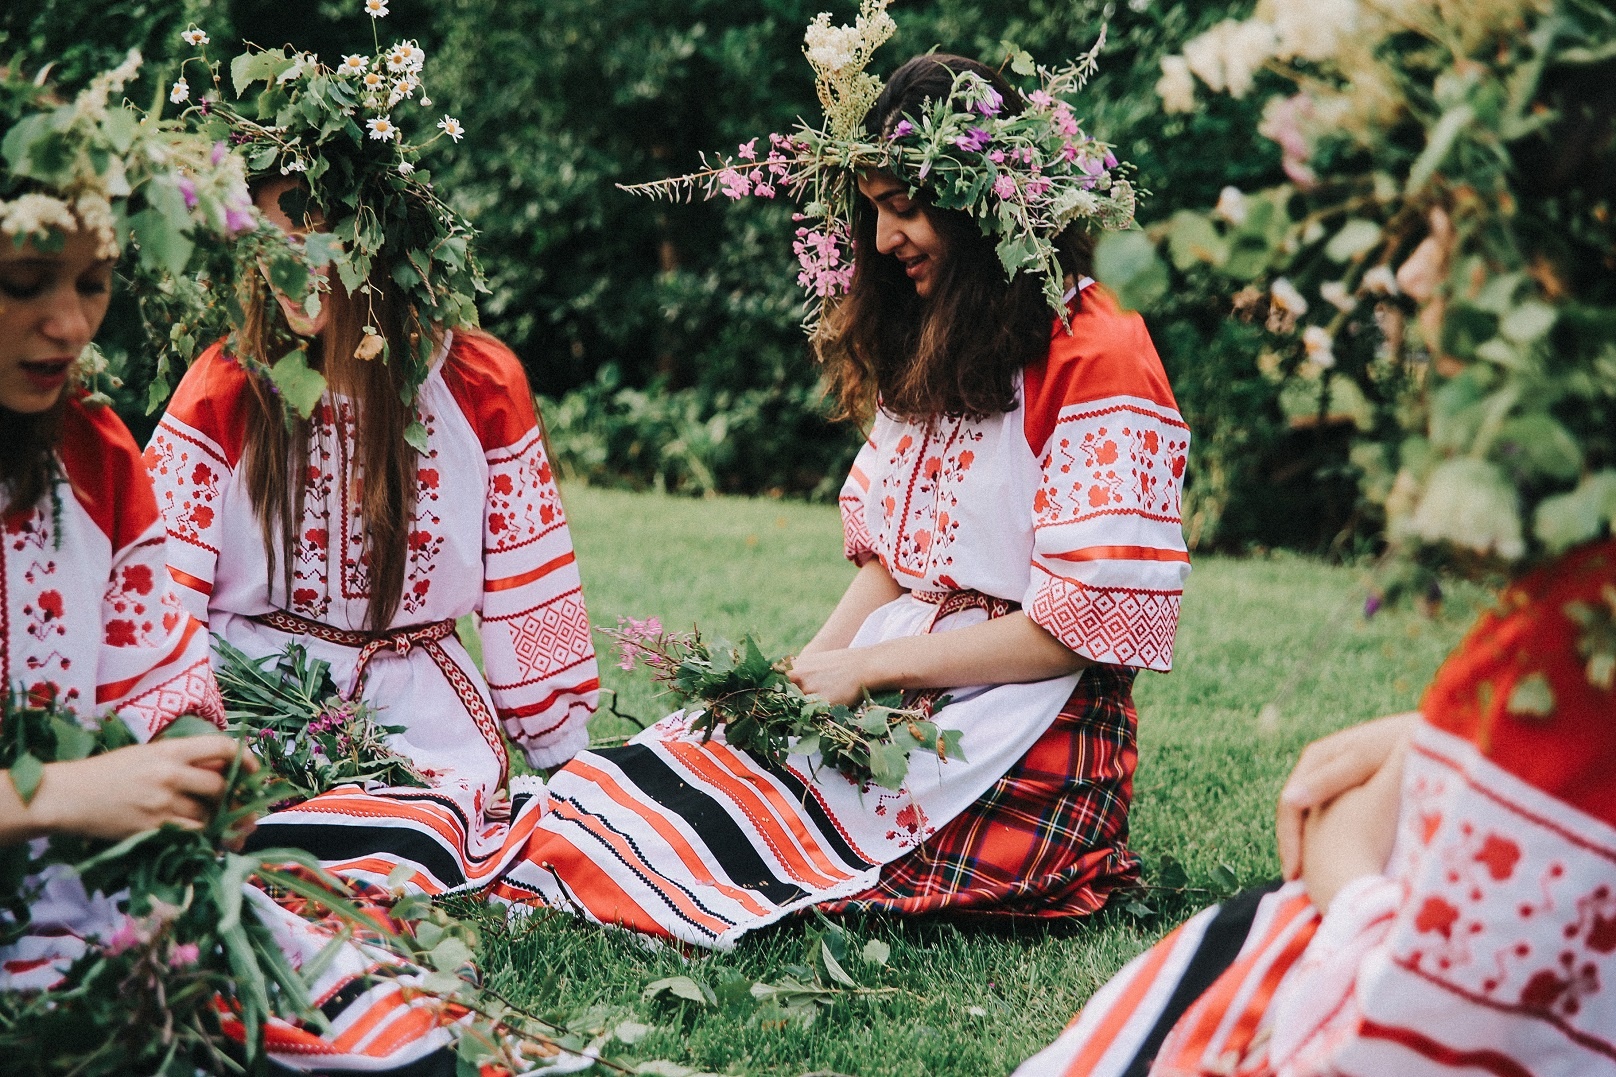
[(1014, 516)]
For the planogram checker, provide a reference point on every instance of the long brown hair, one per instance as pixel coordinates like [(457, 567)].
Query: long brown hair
[(276, 452), (28, 454), (958, 351)]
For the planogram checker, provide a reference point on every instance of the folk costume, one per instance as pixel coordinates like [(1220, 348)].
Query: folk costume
[(1066, 507), (92, 619), (1488, 944), (488, 537)]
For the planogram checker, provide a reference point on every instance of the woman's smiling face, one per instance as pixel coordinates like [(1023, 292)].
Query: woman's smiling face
[(903, 230), (51, 304)]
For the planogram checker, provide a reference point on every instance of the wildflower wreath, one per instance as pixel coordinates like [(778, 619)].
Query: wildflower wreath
[(1025, 177), (338, 130), (135, 182)]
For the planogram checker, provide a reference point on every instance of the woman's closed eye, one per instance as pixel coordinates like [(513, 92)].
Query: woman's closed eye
[(22, 286)]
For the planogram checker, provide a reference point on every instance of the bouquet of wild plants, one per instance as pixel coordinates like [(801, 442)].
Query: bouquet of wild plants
[(763, 712), (287, 709)]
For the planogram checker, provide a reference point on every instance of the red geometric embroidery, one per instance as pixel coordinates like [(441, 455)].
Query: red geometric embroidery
[(552, 637), (1117, 626)]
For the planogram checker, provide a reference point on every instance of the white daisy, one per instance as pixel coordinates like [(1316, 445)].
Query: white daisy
[(353, 65), (180, 92), (376, 9), (451, 127), (382, 128), (194, 37)]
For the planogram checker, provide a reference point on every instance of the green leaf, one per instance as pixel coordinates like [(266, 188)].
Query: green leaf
[(1443, 136), (1569, 519), (889, 765), (26, 774), (1528, 322), (1542, 444), (1170, 874), (1192, 238), (162, 242), (1531, 697), (1355, 237), (628, 1033), (1127, 263), (450, 954), (251, 67), (833, 968), (682, 987), (73, 741), (1225, 879), (300, 385), (189, 725), (415, 436), (876, 952), (953, 744)]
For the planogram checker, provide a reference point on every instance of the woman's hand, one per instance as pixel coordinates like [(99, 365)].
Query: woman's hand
[(1352, 836), (839, 676), (133, 789), (1328, 768)]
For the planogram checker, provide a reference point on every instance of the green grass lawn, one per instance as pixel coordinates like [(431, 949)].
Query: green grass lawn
[(961, 1000)]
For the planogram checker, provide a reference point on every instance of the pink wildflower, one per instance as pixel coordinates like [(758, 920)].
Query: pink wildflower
[(187, 191), (748, 150), (218, 155), (1040, 99), (1065, 122), (735, 185), (763, 190), (1004, 187), (904, 127), (997, 157), (127, 936), (184, 955)]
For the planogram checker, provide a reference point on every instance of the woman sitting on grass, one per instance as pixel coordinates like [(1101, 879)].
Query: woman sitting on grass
[(398, 482), (92, 626), (1014, 517)]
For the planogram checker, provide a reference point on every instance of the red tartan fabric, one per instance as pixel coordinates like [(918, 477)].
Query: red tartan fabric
[(1049, 839)]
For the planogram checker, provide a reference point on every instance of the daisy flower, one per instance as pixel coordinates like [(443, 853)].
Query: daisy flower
[(405, 168), (382, 128), (376, 9), (374, 80), (180, 92), (194, 37), (353, 65), (451, 127)]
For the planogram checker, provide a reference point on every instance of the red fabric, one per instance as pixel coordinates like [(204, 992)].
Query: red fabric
[(1049, 839), (1567, 752), (208, 398), (104, 466), (488, 382), (1108, 353)]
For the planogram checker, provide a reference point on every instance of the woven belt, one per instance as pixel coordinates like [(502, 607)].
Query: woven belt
[(401, 641)]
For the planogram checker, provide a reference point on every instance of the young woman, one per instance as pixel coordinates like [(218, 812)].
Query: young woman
[(1015, 519), (340, 533), (1452, 903), (90, 619)]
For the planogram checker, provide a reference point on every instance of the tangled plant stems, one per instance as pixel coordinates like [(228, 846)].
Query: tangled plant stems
[(746, 691)]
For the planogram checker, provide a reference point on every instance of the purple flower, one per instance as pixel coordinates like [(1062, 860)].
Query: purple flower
[(1004, 187), (188, 191), (735, 185), (904, 128), (239, 218), (1040, 99), (127, 936), (990, 102), (219, 151), (763, 190), (1110, 159), (1371, 605), (184, 955), (748, 150), (974, 141)]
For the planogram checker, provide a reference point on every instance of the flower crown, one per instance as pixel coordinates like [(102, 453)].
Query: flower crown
[(335, 128), (107, 169), (1024, 177)]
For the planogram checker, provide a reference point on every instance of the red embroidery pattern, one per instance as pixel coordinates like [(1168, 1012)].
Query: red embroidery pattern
[(1116, 459), (426, 539), (136, 611), (1116, 625), (918, 494), (523, 502), (549, 638), (193, 691), (1510, 907), (189, 482)]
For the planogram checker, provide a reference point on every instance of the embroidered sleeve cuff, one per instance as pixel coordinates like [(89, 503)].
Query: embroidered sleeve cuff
[(1360, 905), (554, 751), (1113, 626)]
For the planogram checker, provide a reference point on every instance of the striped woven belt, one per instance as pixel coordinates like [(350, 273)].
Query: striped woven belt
[(401, 641)]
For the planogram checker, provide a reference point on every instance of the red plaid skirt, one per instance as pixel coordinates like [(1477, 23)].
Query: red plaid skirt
[(1049, 839)]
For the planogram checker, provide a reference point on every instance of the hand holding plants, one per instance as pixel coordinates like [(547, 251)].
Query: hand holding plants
[(137, 788)]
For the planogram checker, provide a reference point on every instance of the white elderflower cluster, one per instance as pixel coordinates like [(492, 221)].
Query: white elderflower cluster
[(1310, 29), (91, 103), (31, 215), (838, 55), (1176, 87), (1228, 56)]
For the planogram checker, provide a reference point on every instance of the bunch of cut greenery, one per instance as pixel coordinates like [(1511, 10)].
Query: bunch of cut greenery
[(288, 710), (746, 691), (150, 998)]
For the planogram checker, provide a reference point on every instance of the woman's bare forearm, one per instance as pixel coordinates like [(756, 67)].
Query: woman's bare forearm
[(871, 589), (1012, 649)]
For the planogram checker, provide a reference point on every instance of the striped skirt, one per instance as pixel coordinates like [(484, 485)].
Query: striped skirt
[(1049, 839), (1194, 1003)]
